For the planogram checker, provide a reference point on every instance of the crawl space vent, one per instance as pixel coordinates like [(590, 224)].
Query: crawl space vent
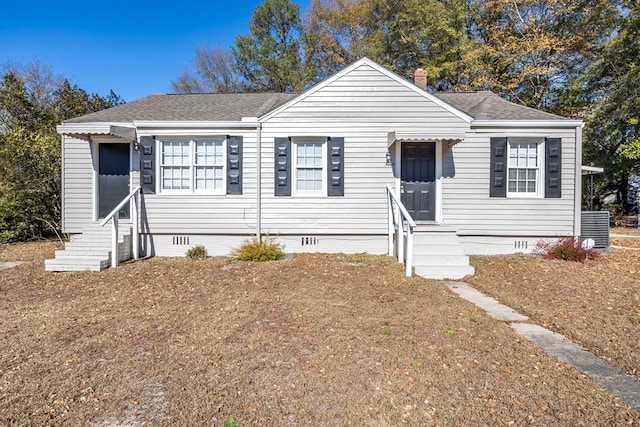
[(307, 241), (180, 240), (521, 244)]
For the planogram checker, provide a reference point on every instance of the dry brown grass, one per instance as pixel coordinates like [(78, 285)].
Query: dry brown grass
[(595, 304), (313, 340)]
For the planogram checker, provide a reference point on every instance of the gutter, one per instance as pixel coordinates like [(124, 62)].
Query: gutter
[(528, 123), (191, 124), (259, 182)]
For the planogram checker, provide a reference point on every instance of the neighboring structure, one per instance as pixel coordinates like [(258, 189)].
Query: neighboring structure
[(312, 169)]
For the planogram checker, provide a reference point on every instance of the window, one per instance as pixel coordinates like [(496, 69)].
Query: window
[(188, 165), (309, 167), (524, 168)]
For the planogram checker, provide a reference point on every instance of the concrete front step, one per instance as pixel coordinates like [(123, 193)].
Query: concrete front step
[(75, 264), (441, 260), (91, 250), (123, 254), (95, 235), (79, 244), (424, 249), (448, 272), (438, 254)]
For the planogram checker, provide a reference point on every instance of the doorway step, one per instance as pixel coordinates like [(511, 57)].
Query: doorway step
[(438, 253), (91, 250)]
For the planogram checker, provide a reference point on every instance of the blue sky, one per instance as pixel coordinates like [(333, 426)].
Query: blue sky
[(133, 47)]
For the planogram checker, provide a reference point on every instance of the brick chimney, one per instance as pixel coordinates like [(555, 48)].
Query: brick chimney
[(420, 78)]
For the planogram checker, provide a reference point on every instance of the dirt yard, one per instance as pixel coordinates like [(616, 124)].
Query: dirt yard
[(314, 340)]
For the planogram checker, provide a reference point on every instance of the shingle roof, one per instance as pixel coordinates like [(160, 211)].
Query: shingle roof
[(485, 105), (482, 105), (190, 107)]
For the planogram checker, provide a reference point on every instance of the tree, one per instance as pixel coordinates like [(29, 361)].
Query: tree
[(271, 58), (612, 131), (213, 72), (39, 79), (528, 50), (402, 35), (428, 34), (30, 152), (337, 34)]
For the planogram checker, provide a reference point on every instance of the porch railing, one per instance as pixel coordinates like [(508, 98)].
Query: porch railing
[(401, 226), (135, 238)]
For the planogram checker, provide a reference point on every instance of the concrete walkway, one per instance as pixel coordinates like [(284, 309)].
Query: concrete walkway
[(612, 379), (4, 264)]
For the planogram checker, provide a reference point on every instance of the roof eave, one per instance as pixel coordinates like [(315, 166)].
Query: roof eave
[(246, 122), (559, 123)]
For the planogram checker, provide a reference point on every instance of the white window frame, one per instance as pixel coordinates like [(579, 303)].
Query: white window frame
[(323, 167), (540, 179), (192, 165)]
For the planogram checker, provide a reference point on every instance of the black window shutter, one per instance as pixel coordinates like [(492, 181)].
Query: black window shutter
[(147, 164), (282, 167), (335, 167), (234, 165), (498, 174), (553, 168)]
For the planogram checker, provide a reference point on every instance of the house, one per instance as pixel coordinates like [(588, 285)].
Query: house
[(321, 171)]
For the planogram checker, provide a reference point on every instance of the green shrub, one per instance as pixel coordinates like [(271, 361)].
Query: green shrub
[(255, 250), (197, 252), (567, 249)]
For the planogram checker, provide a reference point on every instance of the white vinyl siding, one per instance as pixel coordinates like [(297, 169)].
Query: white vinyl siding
[(192, 165), (309, 172), (467, 206), (362, 106), (77, 184), (203, 211), (524, 174)]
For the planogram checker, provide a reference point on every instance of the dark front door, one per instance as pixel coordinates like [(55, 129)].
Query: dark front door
[(113, 178), (418, 178)]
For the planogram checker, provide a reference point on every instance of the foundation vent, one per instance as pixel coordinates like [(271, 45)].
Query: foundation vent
[(521, 244), (309, 241), (180, 240)]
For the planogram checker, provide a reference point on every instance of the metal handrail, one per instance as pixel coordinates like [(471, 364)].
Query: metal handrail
[(399, 221), (113, 216)]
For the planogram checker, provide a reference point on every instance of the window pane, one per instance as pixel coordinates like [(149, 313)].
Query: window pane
[(523, 167), (309, 167), (175, 152), (209, 152), (309, 154), (309, 180), (175, 178), (209, 178)]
